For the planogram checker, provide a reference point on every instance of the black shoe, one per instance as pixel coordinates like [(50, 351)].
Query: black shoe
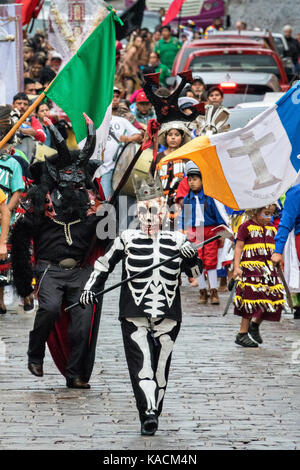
[(149, 426), (253, 332), (2, 311), (28, 305), (242, 339), (296, 313), (77, 383), (36, 369)]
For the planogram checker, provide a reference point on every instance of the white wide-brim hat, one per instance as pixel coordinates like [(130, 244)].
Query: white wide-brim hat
[(167, 126)]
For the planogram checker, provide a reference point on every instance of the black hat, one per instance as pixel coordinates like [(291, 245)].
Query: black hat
[(214, 88), (197, 78)]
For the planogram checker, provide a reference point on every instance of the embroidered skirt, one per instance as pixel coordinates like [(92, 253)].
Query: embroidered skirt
[(259, 297)]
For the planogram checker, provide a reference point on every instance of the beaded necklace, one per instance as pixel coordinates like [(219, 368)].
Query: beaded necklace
[(67, 230)]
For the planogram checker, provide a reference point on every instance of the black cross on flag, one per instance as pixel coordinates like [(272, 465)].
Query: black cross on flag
[(132, 18)]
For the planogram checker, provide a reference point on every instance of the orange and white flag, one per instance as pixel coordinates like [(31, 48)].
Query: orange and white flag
[(253, 166)]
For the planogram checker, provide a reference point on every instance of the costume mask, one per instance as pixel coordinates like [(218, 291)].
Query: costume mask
[(68, 168), (71, 176), (151, 214), (151, 203), (62, 181)]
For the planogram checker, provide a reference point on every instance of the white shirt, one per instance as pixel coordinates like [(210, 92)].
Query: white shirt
[(119, 126)]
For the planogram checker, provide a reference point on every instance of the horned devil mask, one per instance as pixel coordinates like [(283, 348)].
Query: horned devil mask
[(63, 180), (151, 204), (68, 168)]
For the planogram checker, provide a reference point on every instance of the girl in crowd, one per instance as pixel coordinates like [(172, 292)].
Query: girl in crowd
[(259, 293), (171, 136)]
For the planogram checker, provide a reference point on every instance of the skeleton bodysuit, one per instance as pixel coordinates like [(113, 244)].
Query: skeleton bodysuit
[(155, 294), (150, 309)]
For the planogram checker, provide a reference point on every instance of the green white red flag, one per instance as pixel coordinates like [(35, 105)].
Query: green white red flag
[(85, 84)]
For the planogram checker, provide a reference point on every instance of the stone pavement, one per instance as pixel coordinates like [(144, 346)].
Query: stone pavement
[(220, 396)]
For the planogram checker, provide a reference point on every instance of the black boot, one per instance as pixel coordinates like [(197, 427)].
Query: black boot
[(297, 313), (242, 339), (253, 332), (149, 425)]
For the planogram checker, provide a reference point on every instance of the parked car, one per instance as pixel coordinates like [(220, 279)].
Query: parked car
[(211, 42), (238, 118), (268, 100), (274, 41), (265, 36), (238, 87), (238, 59)]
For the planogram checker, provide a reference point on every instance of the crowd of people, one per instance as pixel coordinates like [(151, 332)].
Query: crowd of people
[(141, 54), (192, 215)]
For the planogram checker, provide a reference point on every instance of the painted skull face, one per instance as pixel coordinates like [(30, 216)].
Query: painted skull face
[(151, 214)]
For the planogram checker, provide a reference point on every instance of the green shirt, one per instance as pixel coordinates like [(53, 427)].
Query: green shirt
[(164, 73), (168, 50)]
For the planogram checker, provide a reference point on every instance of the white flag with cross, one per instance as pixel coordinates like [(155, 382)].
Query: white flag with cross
[(253, 166)]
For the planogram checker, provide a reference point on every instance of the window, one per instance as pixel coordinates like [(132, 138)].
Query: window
[(235, 63)]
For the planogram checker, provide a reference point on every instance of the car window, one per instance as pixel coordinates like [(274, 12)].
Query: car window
[(185, 53), (240, 117), (236, 63), (233, 99)]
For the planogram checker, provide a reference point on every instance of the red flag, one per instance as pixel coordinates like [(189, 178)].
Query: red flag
[(173, 11), (30, 9)]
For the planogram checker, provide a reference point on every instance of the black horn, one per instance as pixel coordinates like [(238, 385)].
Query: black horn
[(90, 143), (59, 141)]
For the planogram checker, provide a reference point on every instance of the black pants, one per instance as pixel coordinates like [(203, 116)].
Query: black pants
[(56, 286), (149, 360)]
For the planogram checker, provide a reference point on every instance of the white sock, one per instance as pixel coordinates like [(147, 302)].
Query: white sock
[(212, 278), (202, 282)]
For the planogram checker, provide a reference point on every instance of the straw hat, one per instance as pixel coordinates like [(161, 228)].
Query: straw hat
[(166, 127)]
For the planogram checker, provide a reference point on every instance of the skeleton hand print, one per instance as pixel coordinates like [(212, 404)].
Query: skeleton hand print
[(87, 297), (187, 250)]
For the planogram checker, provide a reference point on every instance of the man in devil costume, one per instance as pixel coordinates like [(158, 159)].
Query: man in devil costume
[(60, 218), (150, 308)]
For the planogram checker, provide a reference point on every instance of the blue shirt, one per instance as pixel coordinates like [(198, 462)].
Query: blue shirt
[(211, 214), (290, 218)]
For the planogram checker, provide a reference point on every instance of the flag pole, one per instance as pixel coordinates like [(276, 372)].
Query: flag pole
[(31, 108)]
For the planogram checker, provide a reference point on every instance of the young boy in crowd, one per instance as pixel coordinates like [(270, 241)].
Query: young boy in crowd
[(198, 218)]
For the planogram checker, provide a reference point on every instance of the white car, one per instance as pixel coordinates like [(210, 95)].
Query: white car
[(268, 100)]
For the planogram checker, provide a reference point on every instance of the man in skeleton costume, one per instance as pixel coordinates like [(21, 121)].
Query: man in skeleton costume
[(150, 309), (60, 219)]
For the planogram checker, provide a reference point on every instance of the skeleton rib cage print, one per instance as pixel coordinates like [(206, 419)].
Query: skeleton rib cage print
[(159, 286), (155, 293)]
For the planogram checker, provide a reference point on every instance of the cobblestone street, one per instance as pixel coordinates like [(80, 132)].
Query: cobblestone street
[(220, 396)]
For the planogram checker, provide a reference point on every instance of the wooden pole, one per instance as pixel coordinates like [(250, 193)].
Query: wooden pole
[(23, 118)]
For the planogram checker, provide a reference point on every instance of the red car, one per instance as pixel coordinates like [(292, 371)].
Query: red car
[(242, 59), (212, 42)]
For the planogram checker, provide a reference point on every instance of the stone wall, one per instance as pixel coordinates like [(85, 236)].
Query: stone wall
[(266, 14)]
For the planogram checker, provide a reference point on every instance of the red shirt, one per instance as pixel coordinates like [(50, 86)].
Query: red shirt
[(183, 189), (37, 126)]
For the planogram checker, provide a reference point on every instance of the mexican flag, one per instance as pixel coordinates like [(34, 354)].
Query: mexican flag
[(85, 84)]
